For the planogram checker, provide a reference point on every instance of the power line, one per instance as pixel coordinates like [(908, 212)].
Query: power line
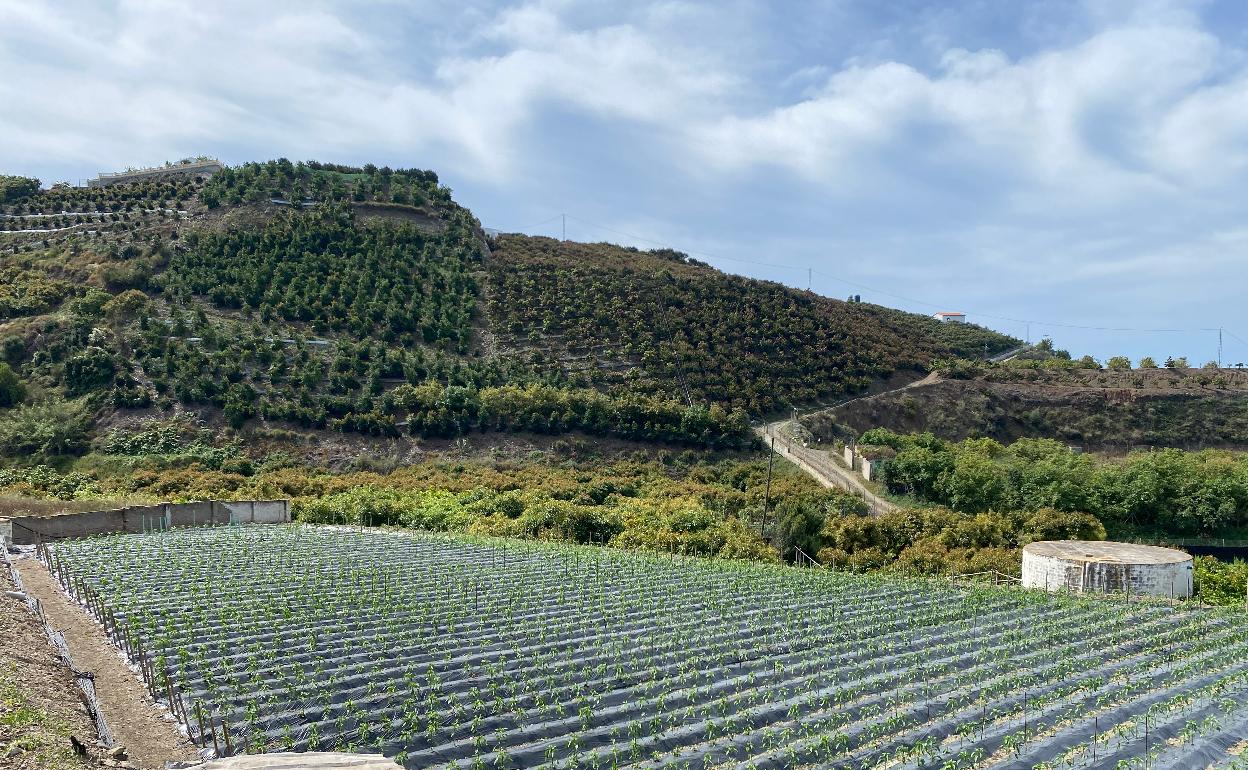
[(1235, 336), (533, 226), (902, 297)]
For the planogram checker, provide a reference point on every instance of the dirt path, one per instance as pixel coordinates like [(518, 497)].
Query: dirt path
[(135, 721), (819, 465), (40, 706), (822, 467)]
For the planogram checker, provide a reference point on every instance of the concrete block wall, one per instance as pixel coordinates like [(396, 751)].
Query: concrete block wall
[(28, 530)]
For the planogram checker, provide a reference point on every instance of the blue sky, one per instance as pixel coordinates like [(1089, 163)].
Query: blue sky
[(1067, 163)]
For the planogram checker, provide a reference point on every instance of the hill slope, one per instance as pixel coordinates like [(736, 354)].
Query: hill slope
[(1095, 408), (367, 300), (656, 321)]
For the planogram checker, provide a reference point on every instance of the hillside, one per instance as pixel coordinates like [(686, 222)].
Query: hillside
[(659, 322), (366, 300), (1101, 409)]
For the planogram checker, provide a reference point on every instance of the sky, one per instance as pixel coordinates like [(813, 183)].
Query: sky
[(1073, 168)]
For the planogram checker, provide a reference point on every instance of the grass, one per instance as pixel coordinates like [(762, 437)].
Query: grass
[(19, 505), (42, 737)]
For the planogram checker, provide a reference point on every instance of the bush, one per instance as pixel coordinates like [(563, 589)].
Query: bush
[(45, 429), (91, 370), (1221, 583), (15, 187), (12, 390)]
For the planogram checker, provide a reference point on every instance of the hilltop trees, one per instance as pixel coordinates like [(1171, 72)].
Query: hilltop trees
[(13, 188), (320, 268), (364, 299)]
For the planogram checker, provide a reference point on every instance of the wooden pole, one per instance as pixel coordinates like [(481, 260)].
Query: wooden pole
[(199, 717), (225, 732), (216, 747), (771, 461)]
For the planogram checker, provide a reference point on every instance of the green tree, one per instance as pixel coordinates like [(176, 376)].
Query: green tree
[(798, 524), (91, 370), (1119, 364), (14, 187), (974, 484), (1147, 362), (48, 428), (12, 389)]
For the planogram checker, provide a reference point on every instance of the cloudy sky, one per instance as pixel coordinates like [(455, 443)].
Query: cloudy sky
[(1073, 168)]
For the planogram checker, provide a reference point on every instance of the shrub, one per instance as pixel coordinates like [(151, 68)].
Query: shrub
[(45, 429), (12, 390)]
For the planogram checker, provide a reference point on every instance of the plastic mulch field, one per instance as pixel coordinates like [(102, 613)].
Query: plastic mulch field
[(456, 652)]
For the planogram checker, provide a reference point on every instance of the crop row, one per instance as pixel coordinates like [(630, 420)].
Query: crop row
[(464, 652)]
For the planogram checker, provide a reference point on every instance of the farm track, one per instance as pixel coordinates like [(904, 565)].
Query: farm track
[(430, 649)]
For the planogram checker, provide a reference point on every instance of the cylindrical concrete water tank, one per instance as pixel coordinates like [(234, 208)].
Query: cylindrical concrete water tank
[(1100, 566)]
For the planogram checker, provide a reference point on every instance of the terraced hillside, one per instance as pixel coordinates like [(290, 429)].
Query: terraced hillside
[(659, 321), (465, 653), (366, 300), (1102, 409)]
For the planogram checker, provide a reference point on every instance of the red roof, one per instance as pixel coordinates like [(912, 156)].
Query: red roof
[(951, 314)]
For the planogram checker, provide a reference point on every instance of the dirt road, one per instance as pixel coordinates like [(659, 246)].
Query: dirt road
[(150, 738), (819, 465), (822, 467)]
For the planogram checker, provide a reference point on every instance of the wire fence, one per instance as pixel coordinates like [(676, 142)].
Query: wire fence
[(84, 679)]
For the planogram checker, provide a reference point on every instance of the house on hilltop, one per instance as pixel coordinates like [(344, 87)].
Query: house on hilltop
[(950, 318), (200, 168)]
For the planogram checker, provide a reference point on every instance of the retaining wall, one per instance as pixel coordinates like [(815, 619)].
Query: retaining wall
[(28, 530)]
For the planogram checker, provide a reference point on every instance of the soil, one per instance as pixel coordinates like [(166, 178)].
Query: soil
[(39, 704), (136, 722), (425, 220)]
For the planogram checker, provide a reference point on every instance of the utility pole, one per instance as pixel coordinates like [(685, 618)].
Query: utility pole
[(565, 227), (809, 272), (1219, 347), (771, 461)]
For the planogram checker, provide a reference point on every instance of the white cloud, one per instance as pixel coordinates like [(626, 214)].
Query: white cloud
[(156, 79), (1084, 119)]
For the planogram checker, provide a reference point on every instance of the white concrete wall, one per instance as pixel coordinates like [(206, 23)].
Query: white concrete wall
[(1053, 573), (848, 454)]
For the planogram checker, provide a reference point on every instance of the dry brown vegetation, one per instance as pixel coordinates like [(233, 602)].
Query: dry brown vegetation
[(18, 505)]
